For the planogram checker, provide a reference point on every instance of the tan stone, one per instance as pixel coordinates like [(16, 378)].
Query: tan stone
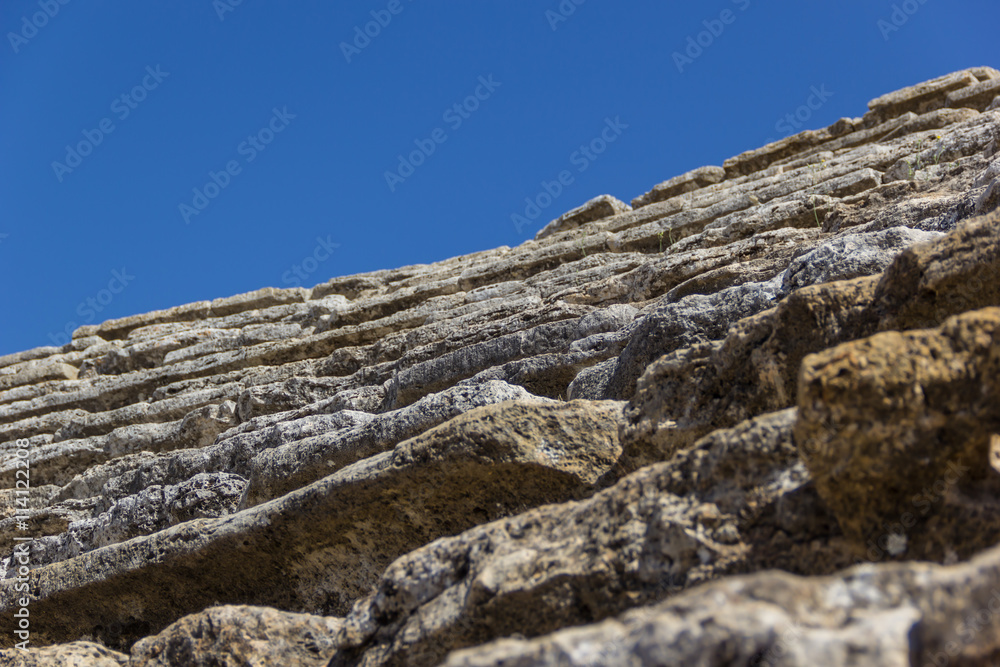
[(883, 419), (692, 180), (597, 208)]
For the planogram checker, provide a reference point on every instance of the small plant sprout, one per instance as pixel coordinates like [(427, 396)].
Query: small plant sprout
[(920, 158), (940, 149), (670, 235), (583, 238), (660, 235), (815, 167)]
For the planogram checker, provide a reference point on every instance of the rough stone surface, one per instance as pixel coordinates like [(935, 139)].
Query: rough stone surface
[(331, 539), (72, 654), (754, 369), (656, 532), (649, 435), (240, 635), (900, 615), (693, 180), (923, 401), (286, 467), (597, 208)]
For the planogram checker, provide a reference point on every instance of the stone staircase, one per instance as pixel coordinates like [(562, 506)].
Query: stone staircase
[(583, 450)]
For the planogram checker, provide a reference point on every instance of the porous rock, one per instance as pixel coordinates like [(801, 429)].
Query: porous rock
[(649, 435)]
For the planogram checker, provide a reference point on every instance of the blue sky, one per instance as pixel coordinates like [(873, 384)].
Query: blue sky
[(154, 153)]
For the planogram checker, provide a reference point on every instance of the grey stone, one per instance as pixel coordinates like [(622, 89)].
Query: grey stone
[(452, 367), (240, 635), (660, 530), (850, 256), (694, 319), (295, 462), (597, 208), (72, 654), (692, 180), (904, 615), (335, 535), (205, 495)]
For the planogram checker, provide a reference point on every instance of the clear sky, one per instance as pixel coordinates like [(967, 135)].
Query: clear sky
[(157, 153)]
